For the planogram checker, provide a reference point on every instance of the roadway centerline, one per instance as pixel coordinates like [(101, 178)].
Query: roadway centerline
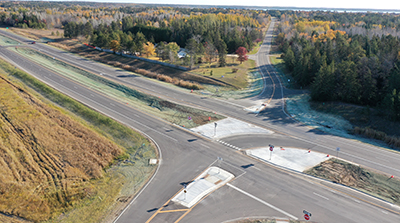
[(261, 201)]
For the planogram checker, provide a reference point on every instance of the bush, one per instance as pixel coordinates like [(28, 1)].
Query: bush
[(117, 64), (164, 78), (234, 70), (189, 85), (126, 67)]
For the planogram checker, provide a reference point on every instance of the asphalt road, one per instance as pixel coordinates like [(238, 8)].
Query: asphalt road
[(184, 156), (273, 117)]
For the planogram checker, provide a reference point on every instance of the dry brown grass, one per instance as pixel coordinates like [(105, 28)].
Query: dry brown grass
[(374, 134), (46, 158), (371, 182)]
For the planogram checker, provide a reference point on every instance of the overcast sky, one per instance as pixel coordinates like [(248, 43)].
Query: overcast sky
[(366, 4)]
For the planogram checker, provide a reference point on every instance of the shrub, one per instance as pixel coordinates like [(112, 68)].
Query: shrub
[(234, 70), (189, 85), (117, 64), (125, 67), (164, 78)]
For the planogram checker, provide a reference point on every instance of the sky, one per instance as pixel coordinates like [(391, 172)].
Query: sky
[(365, 4)]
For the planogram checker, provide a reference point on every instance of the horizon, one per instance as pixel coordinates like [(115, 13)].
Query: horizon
[(308, 4)]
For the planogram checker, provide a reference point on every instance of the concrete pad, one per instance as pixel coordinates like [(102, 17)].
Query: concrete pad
[(291, 158), (210, 180), (228, 127)]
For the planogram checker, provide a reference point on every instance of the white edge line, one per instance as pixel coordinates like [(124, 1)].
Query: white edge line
[(158, 148), (148, 182), (263, 202), (319, 195)]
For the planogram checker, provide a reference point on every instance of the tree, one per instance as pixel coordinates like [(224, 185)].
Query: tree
[(149, 49), (115, 46), (241, 52), (87, 29), (192, 48), (323, 86), (289, 59), (140, 40), (162, 52), (222, 51), (210, 52), (172, 49)]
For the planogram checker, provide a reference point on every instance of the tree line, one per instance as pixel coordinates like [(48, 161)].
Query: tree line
[(210, 32), (208, 35), (337, 66)]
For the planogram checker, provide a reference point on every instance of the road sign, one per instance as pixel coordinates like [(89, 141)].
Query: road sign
[(338, 149), (184, 191), (306, 217), (271, 148)]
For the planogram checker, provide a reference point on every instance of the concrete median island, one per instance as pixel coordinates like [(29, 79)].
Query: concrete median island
[(207, 182)]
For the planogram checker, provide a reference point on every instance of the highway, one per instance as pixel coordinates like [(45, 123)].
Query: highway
[(185, 155), (273, 117)]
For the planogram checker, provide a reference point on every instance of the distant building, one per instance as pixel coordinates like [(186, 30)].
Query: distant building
[(182, 53)]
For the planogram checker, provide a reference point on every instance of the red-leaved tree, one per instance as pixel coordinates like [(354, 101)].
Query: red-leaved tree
[(241, 52)]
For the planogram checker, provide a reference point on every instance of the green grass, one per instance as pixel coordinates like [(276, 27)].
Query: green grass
[(5, 41), (255, 48), (238, 80)]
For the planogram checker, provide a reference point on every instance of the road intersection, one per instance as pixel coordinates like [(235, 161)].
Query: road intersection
[(186, 154)]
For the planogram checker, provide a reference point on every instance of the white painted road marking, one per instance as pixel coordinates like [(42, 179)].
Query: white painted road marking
[(319, 195), (261, 201), (204, 145)]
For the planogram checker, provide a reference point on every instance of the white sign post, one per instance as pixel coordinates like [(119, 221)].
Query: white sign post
[(271, 148)]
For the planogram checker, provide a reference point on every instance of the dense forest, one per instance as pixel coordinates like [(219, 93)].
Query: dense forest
[(349, 57), (213, 32)]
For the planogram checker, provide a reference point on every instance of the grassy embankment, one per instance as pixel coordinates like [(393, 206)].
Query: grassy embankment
[(57, 163), (376, 184)]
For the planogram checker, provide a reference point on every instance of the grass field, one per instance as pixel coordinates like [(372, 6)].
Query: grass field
[(237, 79), (57, 163), (376, 184)]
